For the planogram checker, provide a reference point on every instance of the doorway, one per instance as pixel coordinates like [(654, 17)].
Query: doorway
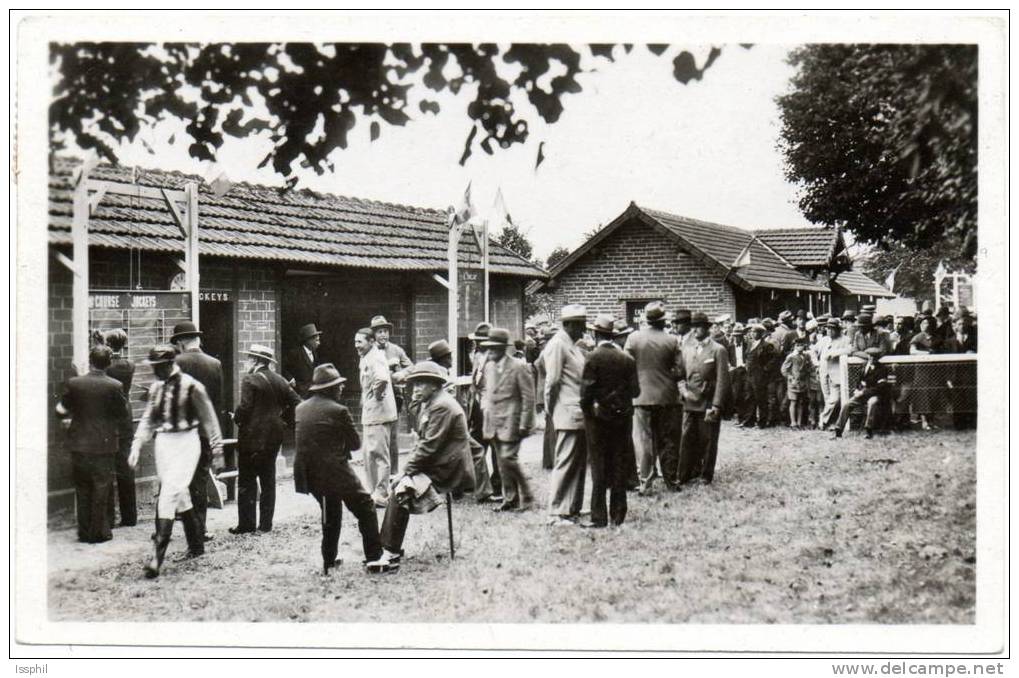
[(217, 325)]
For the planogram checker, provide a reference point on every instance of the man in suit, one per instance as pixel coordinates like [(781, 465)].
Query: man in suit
[(868, 336), (266, 409), (760, 358), (122, 370), (657, 416), (98, 419), (440, 462), (703, 389), (609, 386), (301, 362), (872, 390), (325, 435), (508, 416), (782, 338), (378, 414), (835, 345), (194, 362), (564, 369), (476, 405), (736, 348), (397, 360)]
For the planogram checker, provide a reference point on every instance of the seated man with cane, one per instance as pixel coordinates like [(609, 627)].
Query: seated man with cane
[(440, 462)]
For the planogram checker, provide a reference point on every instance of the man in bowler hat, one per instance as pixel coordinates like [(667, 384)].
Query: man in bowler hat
[(301, 361)]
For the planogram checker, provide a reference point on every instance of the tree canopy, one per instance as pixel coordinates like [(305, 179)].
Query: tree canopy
[(883, 141), (556, 255), (308, 97)]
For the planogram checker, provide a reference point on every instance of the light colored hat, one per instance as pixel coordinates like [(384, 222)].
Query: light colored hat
[(439, 349), (260, 351), (480, 331), (379, 322), (161, 353), (426, 370), (324, 376), (654, 310), (497, 336), (573, 312), (604, 323)]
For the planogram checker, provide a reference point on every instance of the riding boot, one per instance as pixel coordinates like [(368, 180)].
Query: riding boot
[(193, 533), (160, 540)]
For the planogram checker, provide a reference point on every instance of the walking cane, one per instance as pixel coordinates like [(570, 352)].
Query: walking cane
[(449, 521)]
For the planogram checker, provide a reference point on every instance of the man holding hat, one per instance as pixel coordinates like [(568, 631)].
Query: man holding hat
[(508, 411), (703, 387), (177, 407), (301, 362), (397, 360), (325, 437), (609, 386), (564, 369), (378, 414), (657, 415), (266, 410), (440, 462), (873, 388), (193, 361)]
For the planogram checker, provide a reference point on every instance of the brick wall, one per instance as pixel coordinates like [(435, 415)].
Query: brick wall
[(637, 262)]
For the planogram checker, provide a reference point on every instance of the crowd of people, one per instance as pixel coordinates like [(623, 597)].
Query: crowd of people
[(637, 409)]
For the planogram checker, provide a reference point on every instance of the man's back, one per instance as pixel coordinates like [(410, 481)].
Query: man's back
[(267, 404), (122, 370), (99, 413), (610, 379), (207, 370), (657, 355)]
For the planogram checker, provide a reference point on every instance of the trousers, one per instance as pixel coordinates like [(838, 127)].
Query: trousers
[(93, 482), (375, 452), (476, 424), (656, 436), (863, 399), (832, 402), (199, 498), (253, 471), (566, 494), (126, 497), (548, 445), (610, 459), (515, 489), (699, 448), (361, 505)]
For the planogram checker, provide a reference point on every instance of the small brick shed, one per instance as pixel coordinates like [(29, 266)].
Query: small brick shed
[(646, 254), (270, 261)]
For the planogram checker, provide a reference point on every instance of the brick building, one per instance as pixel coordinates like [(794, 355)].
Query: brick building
[(646, 254), (269, 263)]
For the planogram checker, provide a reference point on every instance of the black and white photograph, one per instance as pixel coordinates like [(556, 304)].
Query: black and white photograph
[(511, 331)]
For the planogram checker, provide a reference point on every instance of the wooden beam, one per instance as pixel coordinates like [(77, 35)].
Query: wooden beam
[(97, 197), (79, 289), (439, 279), (180, 264), (171, 204), (68, 263), (452, 324), (136, 191), (191, 260)]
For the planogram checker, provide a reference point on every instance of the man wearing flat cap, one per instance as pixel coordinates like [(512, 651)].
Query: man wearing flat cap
[(564, 369), (508, 411), (657, 416), (301, 362), (325, 436), (609, 386), (266, 411), (193, 361), (378, 414), (397, 360), (703, 387), (440, 462)]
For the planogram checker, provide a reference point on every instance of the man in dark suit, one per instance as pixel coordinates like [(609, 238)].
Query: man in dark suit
[(508, 411), (99, 419), (301, 362), (122, 370), (440, 462), (703, 388), (325, 435), (609, 385), (208, 371), (266, 409), (871, 391), (760, 358)]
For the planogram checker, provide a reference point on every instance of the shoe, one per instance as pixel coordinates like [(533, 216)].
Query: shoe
[(868, 434), (593, 526), (561, 521), (506, 506), (389, 562), (188, 555), (328, 566), (240, 530), (525, 505), (485, 500), (124, 524), (837, 435), (160, 540), (208, 537), (264, 529)]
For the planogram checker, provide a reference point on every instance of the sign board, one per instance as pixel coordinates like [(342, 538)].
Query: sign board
[(635, 311), (138, 301), (215, 295), (471, 290)]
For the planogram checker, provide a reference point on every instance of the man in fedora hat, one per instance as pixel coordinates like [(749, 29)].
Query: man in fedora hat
[(440, 462), (195, 362), (397, 360), (737, 372), (782, 337), (122, 369), (98, 420), (564, 369), (476, 402), (681, 325), (508, 412), (868, 336), (703, 387), (657, 415), (761, 355), (176, 408), (301, 362), (871, 391), (378, 414), (325, 436), (833, 347), (266, 410), (609, 386)]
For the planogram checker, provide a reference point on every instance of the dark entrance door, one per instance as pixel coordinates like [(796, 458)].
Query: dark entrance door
[(217, 325)]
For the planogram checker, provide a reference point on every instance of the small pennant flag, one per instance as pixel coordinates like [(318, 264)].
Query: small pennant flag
[(501, 214), (890, 280), (744, 257), (466, 211), (940, 271), (220, 183)]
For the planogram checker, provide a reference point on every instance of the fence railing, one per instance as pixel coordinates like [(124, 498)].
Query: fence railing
[(925, 384)]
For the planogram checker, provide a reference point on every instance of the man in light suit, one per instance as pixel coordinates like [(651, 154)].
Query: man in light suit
[(657, 417), (509, 416), (564, 369), (703, 389)]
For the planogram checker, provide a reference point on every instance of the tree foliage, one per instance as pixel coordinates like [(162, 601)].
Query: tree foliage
[(513, 238), (914, 268), (308, 97), (556, 255), (883, 141)]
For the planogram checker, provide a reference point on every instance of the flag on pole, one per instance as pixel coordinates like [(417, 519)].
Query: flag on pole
[(221, 183), (890, 280), (466, 211), (744, 257), (940, 271), (501, 214)]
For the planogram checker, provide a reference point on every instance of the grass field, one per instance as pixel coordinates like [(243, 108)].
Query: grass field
[(795, 529)]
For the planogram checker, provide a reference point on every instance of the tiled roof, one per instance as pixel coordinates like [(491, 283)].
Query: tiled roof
[(855, 282), (723, 244), (802, 246), (260, 222)]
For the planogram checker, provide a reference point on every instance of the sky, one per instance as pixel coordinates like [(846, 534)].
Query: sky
[(707, 150)]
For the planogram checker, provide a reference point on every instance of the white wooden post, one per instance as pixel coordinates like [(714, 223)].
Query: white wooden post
[(79, 289), (191, 249), (484, 265), (452, 325)]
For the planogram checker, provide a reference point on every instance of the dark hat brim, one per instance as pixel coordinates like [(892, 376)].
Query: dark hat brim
[(182, 335)]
